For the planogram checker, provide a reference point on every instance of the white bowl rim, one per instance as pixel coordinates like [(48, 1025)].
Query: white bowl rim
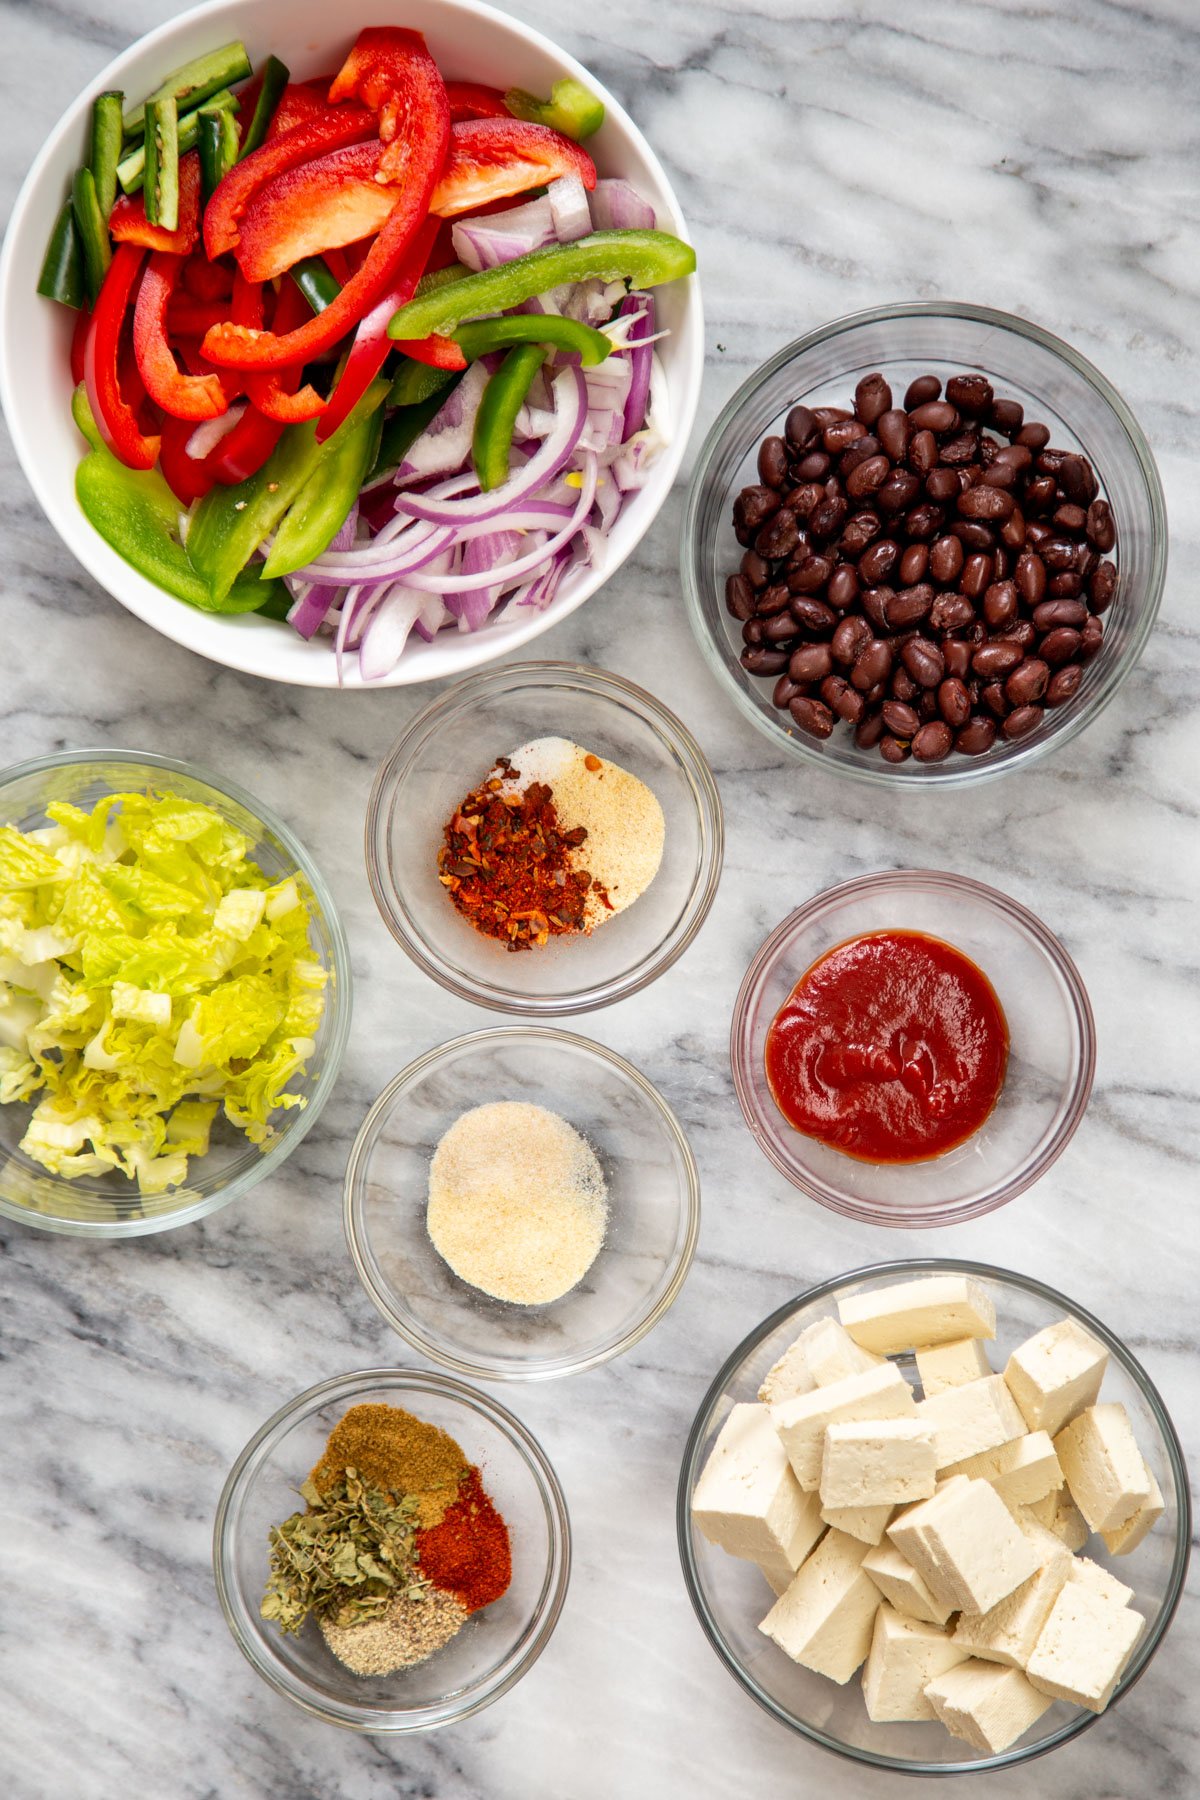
[(182, 624)]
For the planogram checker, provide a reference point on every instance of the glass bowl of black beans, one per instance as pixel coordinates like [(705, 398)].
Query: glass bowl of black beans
[(924, 543)]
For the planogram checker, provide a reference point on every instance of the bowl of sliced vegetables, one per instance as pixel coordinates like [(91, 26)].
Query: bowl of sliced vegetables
[(346, 351), (174, 993)]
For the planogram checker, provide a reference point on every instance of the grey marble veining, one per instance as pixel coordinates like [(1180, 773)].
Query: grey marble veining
[(1038, 154)]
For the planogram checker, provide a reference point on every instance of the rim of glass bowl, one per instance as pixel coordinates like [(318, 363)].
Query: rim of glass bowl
[(908, 1266), (298, 1121), (1070, 722), (740, 1049), (482, 1368), (597, 683), (541, 1627)]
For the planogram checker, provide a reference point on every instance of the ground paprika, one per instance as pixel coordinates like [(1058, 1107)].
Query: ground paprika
[(468, 1553)]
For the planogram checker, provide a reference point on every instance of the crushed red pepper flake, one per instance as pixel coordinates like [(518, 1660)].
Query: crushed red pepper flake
[(510, 867)]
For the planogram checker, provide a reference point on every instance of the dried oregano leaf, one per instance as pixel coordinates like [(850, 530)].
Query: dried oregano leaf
[(344, 1557)]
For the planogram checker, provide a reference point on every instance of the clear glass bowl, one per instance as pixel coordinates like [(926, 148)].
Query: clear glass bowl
[(1053, 383), (110, 1206), (495, 1647), (450, 747), (653, 1202), (1052, 1050), (731, 1597)]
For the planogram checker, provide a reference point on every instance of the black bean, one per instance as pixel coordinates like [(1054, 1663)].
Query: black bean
[(872, 664), (993, 697), (811, 662), (1059, 646), (902, 685), (893, 749), (874, 602), (780, 630), (957, 654), (843, 587), (933, 742), (827, 519), (946, 560), (872, 397), (811, 576), (843, 699), (860, 531), (877, 563), (970, 393), (756, 569), (976, 736), (1090, 638), (764, 662), (924, 522), (1007, 416), (779, 536), (1102, 586), (901, 720), (951, 612), (849, 637), (924, 662), (1028, 682), (898, 491), (869, 730), (1035, 436), (960, 450), (974, 535), (942, 484), (924, 388), (1059, 612), (1062, 684), (772, 600), (909, 606), (996, 658), (933, 415), (814, 465), (913, 564), (892, 430), (954, 702), (867, 476), (1077, 480), (977, 573), (812, 716), (1020, 722), (989, 503), (739, 597), (773, 462), (1100, 527), (801, 428)]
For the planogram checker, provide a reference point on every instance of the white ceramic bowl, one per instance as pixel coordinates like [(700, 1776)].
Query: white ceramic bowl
[(472, 42)]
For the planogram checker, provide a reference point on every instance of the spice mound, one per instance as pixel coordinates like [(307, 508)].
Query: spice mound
[(517, 1202), (553, 842), (398, 1545)]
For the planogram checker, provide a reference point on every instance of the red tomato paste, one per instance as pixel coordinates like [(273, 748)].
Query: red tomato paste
[(892, 1048)]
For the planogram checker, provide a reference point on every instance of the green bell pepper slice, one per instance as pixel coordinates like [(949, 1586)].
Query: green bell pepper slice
[(550, 329), (161, 177), (61, 276), (646, 258), (275, 77), (407, 423), (572, 108), (193, 83), (323, 504), (85, 418), (135, 511), (230, 523), (414, 382), (503, 397), (104, 147), (92, 227), (217, 142)]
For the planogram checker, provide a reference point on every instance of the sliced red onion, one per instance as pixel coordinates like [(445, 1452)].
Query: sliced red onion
[(480, 557), (376, 562), (387, 633), (569, 208), (433, 616), (608, 500), (640, 360), (539, 592), (207, 436), (570, 415), (312, 607), (483, 243), (459, 584), (592, 301), (617, 206), (445, 444)]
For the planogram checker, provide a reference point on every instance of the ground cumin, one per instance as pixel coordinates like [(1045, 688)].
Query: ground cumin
[(398, 1453)]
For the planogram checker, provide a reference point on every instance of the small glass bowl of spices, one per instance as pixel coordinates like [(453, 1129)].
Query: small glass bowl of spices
[(521, 1203), (544, 839), (392, 1550)]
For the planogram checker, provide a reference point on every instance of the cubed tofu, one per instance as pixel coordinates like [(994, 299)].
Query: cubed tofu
[(1128, 1536), (779, 1574), (1055, 1374), (748, 1502), (1105, 1470), (966, 1544), (822, 1354), (943, 1366), (1059, 1513), (1085, 1647), (824, 1618), (904, 1655), (935, 1309), (1022, 1471), (866, 1523), (968, 1420), (879, 1393), (877, 1462), (1101, 1581), (902, 1587), (985, 1704), (1008, 1632)]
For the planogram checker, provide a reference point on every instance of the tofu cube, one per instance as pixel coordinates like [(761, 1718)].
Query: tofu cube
[(902, 1587), (1101, 1581), (1008, 1631), (1022, 1471), (877, 1462), (966, 1544), (1055, 1374), (824, 1619), (748, 1502), (822, 1354), (866, 1523), (879, 1393), (1059, 1514), (1105, 1470), (935, 1309), (943, 1366), (1084, 1647), (968, 1420), (986, 1705), (904, 1655), (1128, 1536)]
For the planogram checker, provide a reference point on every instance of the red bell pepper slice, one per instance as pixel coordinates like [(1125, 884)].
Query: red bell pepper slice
[(188, 317), (380, 72), (115, 417), (298, 103), (185, 475), (473, 100), (419, 151), (207, 280), (279, 395), (183, 396), (325, 131), (435, 352), (371, 345), (243, 451), (319, 206), (129, 225), (493, 159)]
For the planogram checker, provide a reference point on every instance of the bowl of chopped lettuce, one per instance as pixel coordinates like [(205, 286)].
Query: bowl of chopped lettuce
[(174, 993), (349, 349)]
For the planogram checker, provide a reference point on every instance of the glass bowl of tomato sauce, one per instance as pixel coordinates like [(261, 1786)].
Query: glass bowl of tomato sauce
[(930, 1038)]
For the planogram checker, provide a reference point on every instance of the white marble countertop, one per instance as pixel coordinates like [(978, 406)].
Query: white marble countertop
[(1040, 157)]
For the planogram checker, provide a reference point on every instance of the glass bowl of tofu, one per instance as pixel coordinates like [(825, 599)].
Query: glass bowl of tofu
[(653, 829), (934, 1517), (1049, 1070)]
